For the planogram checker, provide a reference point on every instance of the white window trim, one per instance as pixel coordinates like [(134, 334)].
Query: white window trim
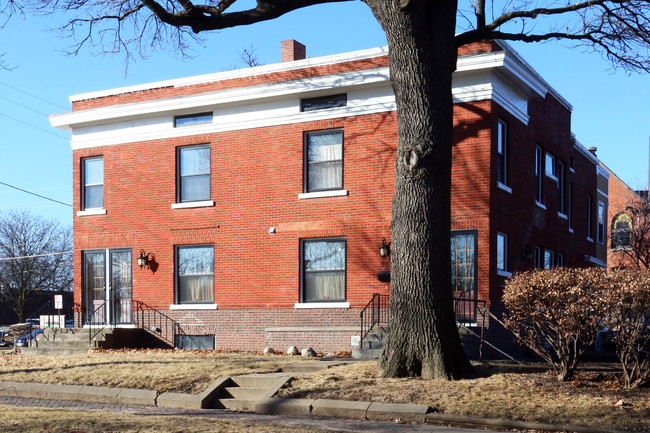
[(542, 205), (552, 176), (563, 216), (193, 307), (192, 204), (506, 188), (503, 273), (590, 239), (308, 305), (321, 194), (570, 230), (96, 211), (572, 170)]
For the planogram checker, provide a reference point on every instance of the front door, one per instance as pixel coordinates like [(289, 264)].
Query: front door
[(463, 274), (107, 295)]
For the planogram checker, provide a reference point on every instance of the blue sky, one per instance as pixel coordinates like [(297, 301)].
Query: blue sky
[(611, 110)]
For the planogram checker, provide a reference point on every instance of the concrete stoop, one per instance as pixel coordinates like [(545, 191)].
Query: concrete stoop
[(242, 393), (66, 341), (372, 345)]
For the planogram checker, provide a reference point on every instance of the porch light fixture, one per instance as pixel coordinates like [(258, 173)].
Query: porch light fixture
[(527, 253), (144, 258), (384, 248)]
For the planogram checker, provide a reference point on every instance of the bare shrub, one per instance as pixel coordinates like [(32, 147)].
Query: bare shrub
[(556, 313), (628, 316)]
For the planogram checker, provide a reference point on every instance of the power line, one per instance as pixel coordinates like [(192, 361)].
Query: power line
[(21, 105), (34, 96), (34, 126), (37, 255), (33, 193)]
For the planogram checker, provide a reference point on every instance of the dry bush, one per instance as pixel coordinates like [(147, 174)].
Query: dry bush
[(628, 314), (556, 313)]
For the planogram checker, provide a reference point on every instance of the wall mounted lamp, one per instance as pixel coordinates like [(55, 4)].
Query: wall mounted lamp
[(384, 248), (145, 258), (527, 253)]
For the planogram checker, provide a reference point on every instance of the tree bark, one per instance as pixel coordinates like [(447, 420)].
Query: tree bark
[(422, 337)]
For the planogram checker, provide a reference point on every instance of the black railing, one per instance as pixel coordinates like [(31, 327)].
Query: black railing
[(156, 323), (96, 322), (467, 308), (77, 315), (375, 313)]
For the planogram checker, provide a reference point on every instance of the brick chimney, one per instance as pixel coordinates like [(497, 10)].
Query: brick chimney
[(293, 50)]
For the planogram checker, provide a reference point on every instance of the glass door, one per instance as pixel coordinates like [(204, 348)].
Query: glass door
[(121, 298), (94, 296), (463, 274)]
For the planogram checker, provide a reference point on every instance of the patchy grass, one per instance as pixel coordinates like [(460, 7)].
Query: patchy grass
[(188, 371), (499, 391), (19, 419)]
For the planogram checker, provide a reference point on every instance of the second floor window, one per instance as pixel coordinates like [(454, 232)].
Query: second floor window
[(502, 152), (323, 161), (589, 216), (539, 163), (193, 173), (93, 183), (601, 223), (560, 187)]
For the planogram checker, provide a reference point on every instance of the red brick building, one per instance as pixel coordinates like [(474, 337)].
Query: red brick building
[(260, 196)]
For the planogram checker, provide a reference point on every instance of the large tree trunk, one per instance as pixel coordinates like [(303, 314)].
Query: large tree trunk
[(422, 337)]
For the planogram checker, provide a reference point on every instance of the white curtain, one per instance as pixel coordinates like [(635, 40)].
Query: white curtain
[(325, 286)]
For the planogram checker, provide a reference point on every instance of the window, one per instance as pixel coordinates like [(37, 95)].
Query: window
[(324, 161), (195, 274), (324, 102), (502, 152), (538, 257), (192, 119), (193, 173), (621, 231), (570, 206), (93, 183), (502, 252), (464, 263), (196, 342), (550, 166), (323, 270), (549, 259), (560, 260), (560, 187), (538, 173), (589, 217), (600, 234)]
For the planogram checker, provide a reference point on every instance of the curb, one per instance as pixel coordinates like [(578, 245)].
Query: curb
[(413, 413)]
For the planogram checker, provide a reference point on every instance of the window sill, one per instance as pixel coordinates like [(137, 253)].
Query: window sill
[(504, 187), (193, 307), (590, 239), (552, 177), (563, 216), (570, 230), (542, 205), (503, 273), (321, 194), (91, 212), (307, 305), (192, 204), (572, 170)]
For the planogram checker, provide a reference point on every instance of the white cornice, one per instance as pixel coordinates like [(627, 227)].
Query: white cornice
[(240, 73), (583, 150)]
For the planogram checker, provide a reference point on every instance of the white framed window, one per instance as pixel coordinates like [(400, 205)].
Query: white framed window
[(570, 207), (600, 234), (323, 161), (193, 173), (621, 231), (560, 187), (92, 178), (550, 167), (502, 252), (323, 270), (549, 259), (502, 152), (539, 153), (195, 274), (589, 237)]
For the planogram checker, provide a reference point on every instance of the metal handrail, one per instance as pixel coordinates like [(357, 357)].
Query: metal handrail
[(91, 320), (78, 314), (378, 314), (156, 323)]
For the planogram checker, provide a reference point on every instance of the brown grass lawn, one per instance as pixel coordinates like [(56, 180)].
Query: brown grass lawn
[(592, 399), (188, 371), (18, 419)]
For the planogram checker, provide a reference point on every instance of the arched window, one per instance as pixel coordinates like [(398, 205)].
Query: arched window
[(621, 231)]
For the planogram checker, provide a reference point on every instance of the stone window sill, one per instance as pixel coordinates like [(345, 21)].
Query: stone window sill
[(89, 212), (193, 204), (299, 305), (193, 307)]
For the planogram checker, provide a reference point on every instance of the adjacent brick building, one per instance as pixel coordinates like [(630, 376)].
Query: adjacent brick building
[(259, 196)]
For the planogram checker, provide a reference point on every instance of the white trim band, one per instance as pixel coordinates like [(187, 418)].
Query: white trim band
[(299, 305), (191, 204), (91, 212), (321, 194), (193, 307)]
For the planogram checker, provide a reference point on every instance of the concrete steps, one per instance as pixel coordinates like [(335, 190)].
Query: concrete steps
[(66, 341), (373, 345), (242, 393)]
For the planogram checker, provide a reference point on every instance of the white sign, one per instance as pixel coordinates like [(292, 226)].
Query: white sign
[(355, 341), (58, 302)]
